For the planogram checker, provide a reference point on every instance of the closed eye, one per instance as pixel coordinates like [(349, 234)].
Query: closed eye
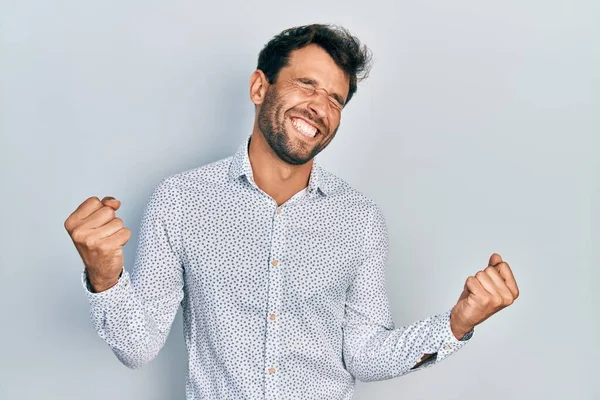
[(308, 84)]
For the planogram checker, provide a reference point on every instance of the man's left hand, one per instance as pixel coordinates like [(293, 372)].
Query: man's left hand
[(484, 294)]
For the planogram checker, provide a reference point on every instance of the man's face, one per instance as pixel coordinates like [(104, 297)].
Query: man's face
[(296, 120)]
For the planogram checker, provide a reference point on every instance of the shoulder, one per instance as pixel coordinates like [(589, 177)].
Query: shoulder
[(347, 196), (208, 175)]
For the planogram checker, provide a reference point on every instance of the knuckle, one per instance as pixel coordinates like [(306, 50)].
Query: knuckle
[(110, 211), (90, 242), (77, 236), (497, 301), (479, 274), (93, 201)]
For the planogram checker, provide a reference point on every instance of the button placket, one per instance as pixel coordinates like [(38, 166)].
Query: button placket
[(272, 315)]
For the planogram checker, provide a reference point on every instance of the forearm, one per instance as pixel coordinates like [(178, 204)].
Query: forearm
[(123, 321), (392, 353)]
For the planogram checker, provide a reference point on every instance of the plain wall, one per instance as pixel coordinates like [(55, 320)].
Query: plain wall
[(474, 133)]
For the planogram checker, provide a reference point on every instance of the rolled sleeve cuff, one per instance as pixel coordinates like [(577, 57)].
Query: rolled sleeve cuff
[(107, 299), (449, 344)]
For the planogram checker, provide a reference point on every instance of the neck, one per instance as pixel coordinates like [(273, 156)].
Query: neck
[(272, 175)]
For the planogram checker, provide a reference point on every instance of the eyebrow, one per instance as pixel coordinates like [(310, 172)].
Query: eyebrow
[(314, 82)]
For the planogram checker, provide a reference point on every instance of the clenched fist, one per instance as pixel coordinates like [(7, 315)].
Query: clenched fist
[(484, 294), (99, 237)]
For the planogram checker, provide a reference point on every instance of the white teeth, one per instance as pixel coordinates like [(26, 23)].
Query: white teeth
[(304, 128)]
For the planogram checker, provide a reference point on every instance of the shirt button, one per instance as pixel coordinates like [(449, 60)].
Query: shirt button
[(278, 210), (271, 370), (447, 347), (272, 317), (275, 263)]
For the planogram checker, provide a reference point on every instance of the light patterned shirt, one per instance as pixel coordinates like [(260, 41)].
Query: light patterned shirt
[(279, 302)]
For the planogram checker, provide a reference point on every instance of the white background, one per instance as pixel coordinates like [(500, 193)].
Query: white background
[(475, 133)]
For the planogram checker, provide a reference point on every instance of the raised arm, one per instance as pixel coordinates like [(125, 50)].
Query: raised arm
[(133, 313), (373, 348)]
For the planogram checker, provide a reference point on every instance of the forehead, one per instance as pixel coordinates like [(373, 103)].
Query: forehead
[(313, 62)]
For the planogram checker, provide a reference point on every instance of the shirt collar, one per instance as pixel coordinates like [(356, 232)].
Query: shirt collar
[(240, 166)]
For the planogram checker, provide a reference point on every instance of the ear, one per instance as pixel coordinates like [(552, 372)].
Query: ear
[(258, 86)]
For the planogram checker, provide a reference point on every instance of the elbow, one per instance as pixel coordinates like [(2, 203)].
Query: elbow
[(359, 375), (365, 372), (134, 359), (366, 375), (373, 376), (374, 369), (133, 364), (364, 378)]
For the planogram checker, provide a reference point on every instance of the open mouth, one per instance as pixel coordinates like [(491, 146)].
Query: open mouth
[(304, 128)]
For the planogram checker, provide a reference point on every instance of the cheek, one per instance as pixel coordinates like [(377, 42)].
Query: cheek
[(336, 119), (284, 105), (334, 122)]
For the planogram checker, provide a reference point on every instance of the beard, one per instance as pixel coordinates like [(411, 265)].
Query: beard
[(271, 123)]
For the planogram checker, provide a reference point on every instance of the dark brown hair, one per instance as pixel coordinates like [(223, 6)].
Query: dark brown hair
[(346, 50)]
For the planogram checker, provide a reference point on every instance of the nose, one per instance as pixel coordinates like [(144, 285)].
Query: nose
[(318, 104)]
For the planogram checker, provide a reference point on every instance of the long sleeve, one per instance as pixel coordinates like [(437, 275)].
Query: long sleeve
[(134, 317), (373, 349)]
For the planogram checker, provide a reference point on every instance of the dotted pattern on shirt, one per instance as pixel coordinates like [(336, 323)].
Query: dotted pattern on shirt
[(281, 302)]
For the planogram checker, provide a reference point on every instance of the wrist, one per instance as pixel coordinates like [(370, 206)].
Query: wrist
[(99, 284), (460, 334), (101, 287), (458, 328)]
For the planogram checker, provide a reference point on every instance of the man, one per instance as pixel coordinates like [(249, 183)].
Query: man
[(277, 263)]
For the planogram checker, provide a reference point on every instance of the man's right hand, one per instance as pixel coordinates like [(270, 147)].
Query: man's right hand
[(99, 237)]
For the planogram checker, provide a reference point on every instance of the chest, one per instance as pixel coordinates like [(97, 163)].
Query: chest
[(247, 250)]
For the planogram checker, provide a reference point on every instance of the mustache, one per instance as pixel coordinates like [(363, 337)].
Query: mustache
[(307, 116)]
